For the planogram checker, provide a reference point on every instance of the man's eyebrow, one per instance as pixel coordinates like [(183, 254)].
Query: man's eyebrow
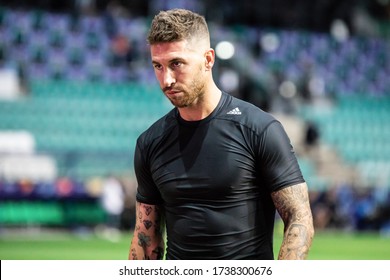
[(175, 59)]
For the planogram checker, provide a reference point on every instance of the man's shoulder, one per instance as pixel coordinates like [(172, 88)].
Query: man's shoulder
[(245, 113)]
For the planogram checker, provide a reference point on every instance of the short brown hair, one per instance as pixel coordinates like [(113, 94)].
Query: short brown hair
[(176, 25)]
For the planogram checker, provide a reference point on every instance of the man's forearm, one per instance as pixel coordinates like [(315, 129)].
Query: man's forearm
[(294, 208), (148, 242), (142, 249), (295, 246)]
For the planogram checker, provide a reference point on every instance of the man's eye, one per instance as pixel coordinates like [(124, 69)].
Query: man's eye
[(157, 66), (176, 64)]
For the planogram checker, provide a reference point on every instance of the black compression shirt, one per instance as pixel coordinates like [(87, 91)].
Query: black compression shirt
[(214, 178)]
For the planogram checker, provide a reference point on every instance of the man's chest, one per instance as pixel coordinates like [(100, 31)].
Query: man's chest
[(203, 163)]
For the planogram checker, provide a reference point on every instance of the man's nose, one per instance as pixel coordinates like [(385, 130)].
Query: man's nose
[(168, 78)]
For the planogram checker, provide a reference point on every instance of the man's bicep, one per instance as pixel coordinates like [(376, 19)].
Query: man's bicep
[(278, 164), (147, 191), (292, 203)]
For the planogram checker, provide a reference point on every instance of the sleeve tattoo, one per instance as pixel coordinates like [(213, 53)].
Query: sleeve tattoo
[(148, 240), (293, 207)]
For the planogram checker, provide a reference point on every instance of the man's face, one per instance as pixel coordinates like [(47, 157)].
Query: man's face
[(180, 70)]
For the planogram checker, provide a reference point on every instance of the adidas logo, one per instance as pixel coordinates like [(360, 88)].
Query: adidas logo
[(235, 111)]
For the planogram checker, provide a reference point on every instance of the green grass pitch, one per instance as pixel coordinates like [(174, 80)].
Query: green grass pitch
[(66, 246)]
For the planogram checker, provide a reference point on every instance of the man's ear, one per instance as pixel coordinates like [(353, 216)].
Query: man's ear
[(209, 58)]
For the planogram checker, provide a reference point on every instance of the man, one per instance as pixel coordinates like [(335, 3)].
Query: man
[(214, 168)]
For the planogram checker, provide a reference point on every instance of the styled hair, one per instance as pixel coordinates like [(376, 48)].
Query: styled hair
[(177, 25)]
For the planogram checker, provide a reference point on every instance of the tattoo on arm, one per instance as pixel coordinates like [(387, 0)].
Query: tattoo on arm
[(143, 240), (133, 254), (293, 206), (147, 241), (159, 252), (148, 209), (147, 224)]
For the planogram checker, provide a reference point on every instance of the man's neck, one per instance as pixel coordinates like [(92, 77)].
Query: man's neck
[(202, 108)]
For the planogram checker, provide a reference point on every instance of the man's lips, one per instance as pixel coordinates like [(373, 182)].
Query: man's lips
[(171, 91)]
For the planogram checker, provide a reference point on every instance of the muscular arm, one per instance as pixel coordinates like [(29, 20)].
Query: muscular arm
[(148, 242), (293, 206)]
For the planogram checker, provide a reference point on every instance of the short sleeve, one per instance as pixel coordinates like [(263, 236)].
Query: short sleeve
[(147, 191), (277, 160)]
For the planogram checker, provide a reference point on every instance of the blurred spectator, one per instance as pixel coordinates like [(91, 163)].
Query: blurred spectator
[(312, 136), (26, 187), (122, 54), (85, 7), (112, 199), (365, 211), (323, 208), (304, 83), (116, 9), (112, 12), (13, 78), (128, 215), (64, 187), (121, 50)]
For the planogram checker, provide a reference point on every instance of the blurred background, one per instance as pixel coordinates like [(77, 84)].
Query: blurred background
[(77, 88)]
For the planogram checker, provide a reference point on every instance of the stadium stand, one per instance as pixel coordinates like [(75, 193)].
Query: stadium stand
[(85, 104)]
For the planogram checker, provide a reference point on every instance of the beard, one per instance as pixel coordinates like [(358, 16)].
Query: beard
[(188, 95)]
